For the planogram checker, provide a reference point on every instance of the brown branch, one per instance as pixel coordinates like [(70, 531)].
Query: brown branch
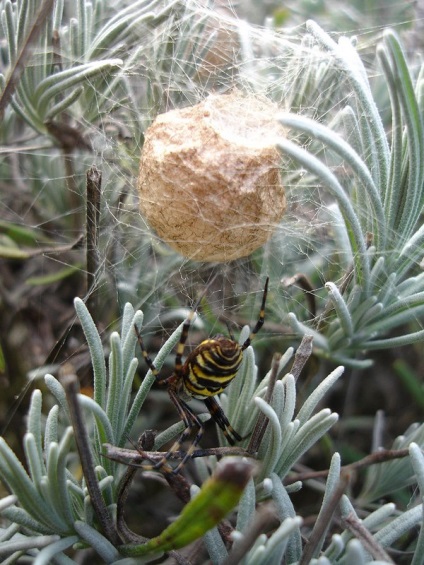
[(303, 353), (372, 459), (263, 520), (370, 544), (70, 384), (133, 457), (94, 192), (324, 519)]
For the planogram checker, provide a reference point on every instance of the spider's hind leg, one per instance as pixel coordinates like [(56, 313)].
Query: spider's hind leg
[(221, 419)]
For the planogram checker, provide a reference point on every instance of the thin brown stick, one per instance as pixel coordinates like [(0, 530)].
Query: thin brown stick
[(133, 457), (324, 520), (104, 517), (263, 521), (94, 191), (371, 459), (368, 541), (303, 353)]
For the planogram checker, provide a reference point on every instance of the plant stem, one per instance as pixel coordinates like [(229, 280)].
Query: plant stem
[(70, 384)]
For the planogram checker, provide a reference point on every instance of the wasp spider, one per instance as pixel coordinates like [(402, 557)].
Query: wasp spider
[(206, 372)]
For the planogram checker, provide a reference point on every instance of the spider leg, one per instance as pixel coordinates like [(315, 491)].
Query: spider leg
[(146, 357), (181, 344), (185, 330), (230, 333), (191, 421), (221, 419), (261, 319)]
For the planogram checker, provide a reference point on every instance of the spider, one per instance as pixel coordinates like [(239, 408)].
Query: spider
[(206, 372)]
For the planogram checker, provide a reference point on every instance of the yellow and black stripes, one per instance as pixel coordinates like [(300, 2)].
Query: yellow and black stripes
[(211, 367)]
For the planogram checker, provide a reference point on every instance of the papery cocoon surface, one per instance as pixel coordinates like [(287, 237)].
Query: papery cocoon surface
[(209, 178)]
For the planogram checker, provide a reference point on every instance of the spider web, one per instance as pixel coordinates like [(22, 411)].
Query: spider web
[(196, 51)]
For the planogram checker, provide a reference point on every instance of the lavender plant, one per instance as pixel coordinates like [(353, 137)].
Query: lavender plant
[(72, 74), (380, 287), (49, 510)]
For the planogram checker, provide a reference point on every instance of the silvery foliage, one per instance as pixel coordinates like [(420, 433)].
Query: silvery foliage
[(49, 511)]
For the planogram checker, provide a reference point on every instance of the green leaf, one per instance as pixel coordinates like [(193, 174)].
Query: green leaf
[(7, 252), (2, 361), (53, 277), (22, 235), (411, 381)]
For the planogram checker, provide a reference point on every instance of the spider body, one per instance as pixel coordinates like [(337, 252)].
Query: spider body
[(206, 372), (211, 366)]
